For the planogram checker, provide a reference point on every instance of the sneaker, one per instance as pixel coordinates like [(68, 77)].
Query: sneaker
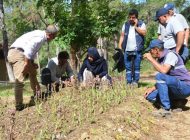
[(20, 107), (161, 113), (134, 85), (179, 103)]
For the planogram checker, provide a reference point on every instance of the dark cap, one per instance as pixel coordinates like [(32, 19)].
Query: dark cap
[(52, 29), (160, 12), (155, 43), (169, 6)]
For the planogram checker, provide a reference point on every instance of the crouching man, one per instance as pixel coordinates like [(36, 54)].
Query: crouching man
[(61, 72), (94, 70), (172, 80)]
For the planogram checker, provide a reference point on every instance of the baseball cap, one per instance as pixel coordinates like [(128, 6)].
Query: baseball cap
[(160, 12), (169, 6), (52, 29), (155, 43)]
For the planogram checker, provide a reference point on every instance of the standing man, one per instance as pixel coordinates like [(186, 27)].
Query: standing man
[(132, 43), (172, 80), (21, 56), (171, 31), (61, 72), (184, 52)]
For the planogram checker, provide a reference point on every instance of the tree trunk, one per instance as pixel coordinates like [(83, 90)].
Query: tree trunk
[(74, 61), (115, 41), (5, 42)]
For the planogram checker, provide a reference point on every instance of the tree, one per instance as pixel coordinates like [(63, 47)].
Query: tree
[(5, 42)]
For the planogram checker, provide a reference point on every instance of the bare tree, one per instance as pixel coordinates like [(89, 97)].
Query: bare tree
[(5, 42)]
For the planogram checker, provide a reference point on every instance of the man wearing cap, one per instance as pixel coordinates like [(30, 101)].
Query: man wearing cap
[(172, 80), (170, 7), (61, 72), (21, 56), (170, 31), (132, 43)]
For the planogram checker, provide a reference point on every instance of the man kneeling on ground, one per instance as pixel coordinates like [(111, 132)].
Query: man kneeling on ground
[(61, 72), (172, 80)]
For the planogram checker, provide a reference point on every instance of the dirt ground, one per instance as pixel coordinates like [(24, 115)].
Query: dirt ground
[(112, 125), (131, 119)]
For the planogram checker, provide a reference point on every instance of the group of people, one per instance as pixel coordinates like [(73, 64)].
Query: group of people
[(23, 51), (168, 54)]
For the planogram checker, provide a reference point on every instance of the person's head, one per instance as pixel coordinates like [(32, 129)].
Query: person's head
[(62, 58), (170, 8), (156, 47), (93, 54), (133, 15), (161, 16), (51, 32)]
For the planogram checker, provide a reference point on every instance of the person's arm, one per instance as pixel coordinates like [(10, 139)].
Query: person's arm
[(27, 65), (52, 67), (121, 37), (70, 73), (69, 70), (105, 70), (121, 40), (140, 30), (180, 41), (162, 68), (186, 36), (148, 91)]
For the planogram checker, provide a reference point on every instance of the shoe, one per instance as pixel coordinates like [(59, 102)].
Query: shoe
[(20, 107), (134, 85), (179, 103), (161, 113)]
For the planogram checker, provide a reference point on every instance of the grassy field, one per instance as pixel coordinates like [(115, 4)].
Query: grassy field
[(65, 114)]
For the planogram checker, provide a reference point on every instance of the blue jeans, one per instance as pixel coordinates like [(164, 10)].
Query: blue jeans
[(184, 53), (132, 59), (168, 88)]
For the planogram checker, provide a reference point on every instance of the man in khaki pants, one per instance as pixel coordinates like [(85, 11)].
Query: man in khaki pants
[(21, 56)]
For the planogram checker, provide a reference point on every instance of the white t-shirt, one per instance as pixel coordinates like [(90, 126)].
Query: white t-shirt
[(131, 42), (171, 59), (58, 71), (31, 42), (169, 32)]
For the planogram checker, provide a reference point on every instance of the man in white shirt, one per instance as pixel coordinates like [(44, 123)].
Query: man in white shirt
[(184, 52), (21, 56), (171, 31), (132, 43), (61, 72)]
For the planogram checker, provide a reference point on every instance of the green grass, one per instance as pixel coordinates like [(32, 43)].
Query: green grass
[(7, 89), (71, 108)]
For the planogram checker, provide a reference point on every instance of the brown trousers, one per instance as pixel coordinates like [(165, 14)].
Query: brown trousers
[(16, 59)]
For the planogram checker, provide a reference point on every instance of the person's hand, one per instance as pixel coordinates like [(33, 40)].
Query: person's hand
[(67, 83), (148, 56), (135, 22), (148, 91), (97, 78), (26, 68), (35, 65)]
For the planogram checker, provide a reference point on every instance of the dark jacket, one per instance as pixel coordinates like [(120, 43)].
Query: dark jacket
[(139, 38), (97, 67)]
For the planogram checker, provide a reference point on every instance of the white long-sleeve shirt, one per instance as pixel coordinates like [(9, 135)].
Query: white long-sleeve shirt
[(58, 71), (31, 42)]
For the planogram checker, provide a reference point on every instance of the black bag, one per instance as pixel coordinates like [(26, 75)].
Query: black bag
[(118, 57), (46, 76)]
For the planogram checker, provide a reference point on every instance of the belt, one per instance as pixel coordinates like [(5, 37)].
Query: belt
[(20, 49)]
